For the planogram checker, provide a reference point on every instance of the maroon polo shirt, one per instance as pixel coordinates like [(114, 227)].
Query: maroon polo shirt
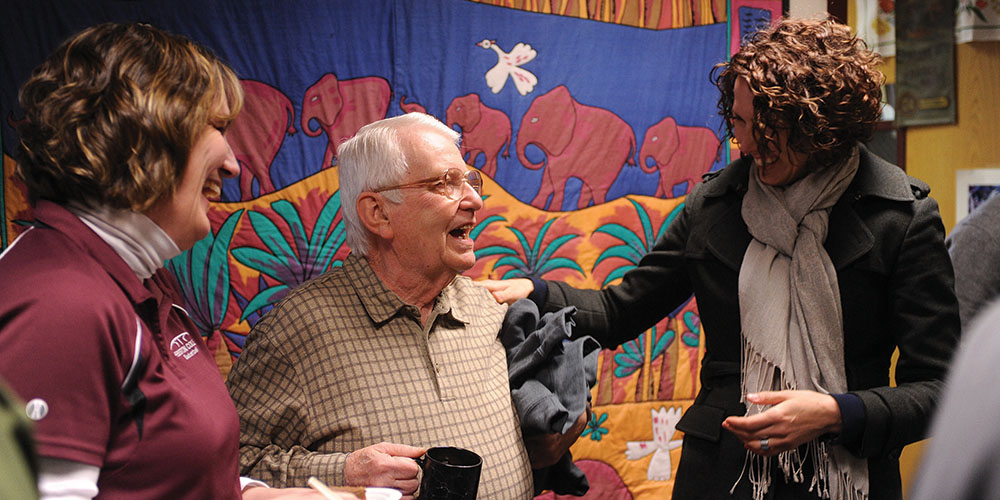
[(156, 418)]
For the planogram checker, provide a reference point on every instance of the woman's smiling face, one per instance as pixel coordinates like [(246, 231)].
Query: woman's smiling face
[(183, 214), (781, 165)]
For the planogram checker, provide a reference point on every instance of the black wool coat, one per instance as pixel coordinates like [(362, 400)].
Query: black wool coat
[(886, 241)]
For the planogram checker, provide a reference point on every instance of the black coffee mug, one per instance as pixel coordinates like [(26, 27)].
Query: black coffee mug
[(449, 474)]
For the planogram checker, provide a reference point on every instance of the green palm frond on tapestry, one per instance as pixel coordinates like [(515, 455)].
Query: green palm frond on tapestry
[(493, 249), (291, 263), (692, 335), (633, 352), (633, 246), (203, 275), (534, 259)]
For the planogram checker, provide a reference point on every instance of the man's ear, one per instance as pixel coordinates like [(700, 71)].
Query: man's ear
[(372, 213)]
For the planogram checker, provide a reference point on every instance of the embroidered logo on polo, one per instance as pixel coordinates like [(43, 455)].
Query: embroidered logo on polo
[(183, 346)]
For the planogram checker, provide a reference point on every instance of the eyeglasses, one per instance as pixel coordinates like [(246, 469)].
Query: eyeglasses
[(448, 184)]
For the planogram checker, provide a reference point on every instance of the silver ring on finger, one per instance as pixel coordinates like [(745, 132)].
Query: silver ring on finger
[(764, 446)]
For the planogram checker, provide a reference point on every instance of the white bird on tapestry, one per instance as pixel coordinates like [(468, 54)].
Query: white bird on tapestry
[(510, 65), (664, 425)]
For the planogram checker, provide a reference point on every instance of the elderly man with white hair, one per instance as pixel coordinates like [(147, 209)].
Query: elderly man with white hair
[(358, 371)]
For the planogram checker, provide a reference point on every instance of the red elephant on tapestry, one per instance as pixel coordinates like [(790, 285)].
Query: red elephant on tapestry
[(341, 107), (586, 142), (257, 133), (680, 154), (605, 483), (484, 130), (411, 107)]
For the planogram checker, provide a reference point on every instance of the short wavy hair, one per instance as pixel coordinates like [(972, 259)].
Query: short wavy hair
[(113, 113), (811, 78), (376, 157)]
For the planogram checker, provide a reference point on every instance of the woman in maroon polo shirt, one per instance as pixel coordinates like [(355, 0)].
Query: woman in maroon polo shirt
[(122, 148)]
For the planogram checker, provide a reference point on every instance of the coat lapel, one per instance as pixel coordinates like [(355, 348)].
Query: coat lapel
[(847, 238), (728, 237)]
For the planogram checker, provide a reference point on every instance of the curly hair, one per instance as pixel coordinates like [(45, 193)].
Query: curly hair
[(113, 113), (811, 78)]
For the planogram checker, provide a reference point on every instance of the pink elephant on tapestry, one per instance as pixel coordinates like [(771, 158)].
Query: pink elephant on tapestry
[(341, 107), (257, 133), (605, 484), (586, 142), (411, 107), (484, 130), (680, 154)]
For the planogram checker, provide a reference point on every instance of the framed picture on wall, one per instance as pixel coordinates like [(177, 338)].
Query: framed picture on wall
[(749, 17), (973, 188)]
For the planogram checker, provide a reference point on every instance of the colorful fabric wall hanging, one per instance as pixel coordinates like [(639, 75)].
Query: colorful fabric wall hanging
[(591, 119)]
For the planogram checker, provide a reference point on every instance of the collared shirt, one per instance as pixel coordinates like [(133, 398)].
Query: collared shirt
[(343, 363), (114, 374)]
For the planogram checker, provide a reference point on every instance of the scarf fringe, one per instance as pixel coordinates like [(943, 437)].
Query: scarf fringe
[(757, 468)]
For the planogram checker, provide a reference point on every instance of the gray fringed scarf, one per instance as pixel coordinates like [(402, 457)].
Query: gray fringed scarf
[(790, 313)]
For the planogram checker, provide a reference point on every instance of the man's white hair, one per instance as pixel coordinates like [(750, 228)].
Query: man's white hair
[(375, 157)]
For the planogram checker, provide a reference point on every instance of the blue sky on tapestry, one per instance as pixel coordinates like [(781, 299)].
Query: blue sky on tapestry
[(618, 80)]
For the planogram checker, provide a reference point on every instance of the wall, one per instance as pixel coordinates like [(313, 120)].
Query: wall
[(806, 8), (934, 153)]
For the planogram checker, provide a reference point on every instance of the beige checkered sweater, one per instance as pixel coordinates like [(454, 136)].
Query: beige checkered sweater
[(342, 363)]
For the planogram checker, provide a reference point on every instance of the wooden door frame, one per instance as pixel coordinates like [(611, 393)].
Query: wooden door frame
[(837, 10)]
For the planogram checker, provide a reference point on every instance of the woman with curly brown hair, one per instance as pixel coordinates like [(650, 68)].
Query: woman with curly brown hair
[(811, 260), (122, 148)]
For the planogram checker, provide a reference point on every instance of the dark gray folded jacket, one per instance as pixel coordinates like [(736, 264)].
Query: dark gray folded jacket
[(550, 379)]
